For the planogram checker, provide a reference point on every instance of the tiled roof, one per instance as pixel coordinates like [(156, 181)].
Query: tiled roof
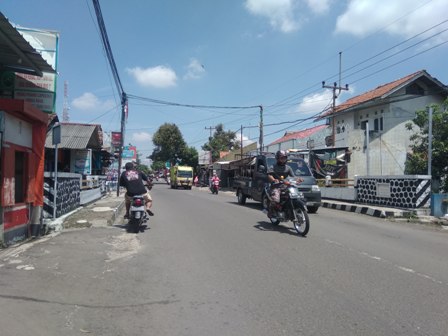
[(77, 136), (299, 134), (380, 91)]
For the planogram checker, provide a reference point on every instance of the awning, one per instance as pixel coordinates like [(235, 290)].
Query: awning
[(77, 136), (16, 54)]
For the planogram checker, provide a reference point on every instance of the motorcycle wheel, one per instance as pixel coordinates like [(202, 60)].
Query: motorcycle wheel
[(302, 224), (265, 203), (134, 225), (241, 197)]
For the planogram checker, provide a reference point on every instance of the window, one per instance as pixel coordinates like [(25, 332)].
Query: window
[(378, 124), (19, 176)]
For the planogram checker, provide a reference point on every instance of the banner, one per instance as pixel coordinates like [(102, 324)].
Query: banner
[(116, 139), (39, 91), (129, 152), (81, 161)]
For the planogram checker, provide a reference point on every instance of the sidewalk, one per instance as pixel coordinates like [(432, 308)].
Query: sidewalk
[(102, 212)]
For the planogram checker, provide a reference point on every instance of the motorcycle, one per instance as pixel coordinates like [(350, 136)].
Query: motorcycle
[(137, 212), (214, 187), (292, 206)]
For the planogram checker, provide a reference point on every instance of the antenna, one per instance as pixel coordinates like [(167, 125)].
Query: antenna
[(65, 116)]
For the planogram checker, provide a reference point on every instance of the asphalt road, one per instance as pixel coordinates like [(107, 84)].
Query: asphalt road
[(208, 266)]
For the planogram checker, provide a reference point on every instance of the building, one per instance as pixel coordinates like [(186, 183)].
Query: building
[(22, 132), (372, 125)]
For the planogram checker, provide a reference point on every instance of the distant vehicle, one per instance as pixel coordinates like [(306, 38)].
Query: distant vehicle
[(251, 178), (181, 177)]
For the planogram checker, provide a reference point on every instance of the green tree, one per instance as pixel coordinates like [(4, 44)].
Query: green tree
[(221, 141), (417, 161), (168, 142), (158, 165), (170, 146), (190, 157)]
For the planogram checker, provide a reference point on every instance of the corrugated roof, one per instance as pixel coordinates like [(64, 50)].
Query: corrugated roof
[(380, 92), (299, 134), (77, 136), (16, 54)]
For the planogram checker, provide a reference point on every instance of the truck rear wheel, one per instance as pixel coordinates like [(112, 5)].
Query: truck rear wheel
[(241, 197)]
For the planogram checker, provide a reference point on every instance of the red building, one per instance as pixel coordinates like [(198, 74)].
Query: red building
[(22, 133)]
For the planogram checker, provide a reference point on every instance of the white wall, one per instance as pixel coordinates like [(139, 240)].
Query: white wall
[(18, 132)]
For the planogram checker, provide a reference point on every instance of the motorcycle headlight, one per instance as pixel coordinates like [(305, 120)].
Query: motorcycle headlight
[(315, 187), (294, 192)]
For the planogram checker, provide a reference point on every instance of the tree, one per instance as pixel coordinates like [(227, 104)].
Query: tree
[(170, 146), (417, 161), (168, 142), (157, 165), (221, 141)]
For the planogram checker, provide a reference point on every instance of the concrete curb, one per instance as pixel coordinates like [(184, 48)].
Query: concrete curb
[(115, 213), (365, 210)]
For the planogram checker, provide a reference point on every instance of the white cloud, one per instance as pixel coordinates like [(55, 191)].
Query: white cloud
[(279, 12), (142, 137), (195, 69), (399, 17), (319, 6), (89, 102), (315, 103), (159, 76)]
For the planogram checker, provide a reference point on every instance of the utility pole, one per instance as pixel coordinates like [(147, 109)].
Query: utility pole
[(124, 113), (210, 129), (241, 141), (430, 112), (66, 108), (261, 128), (242, 137), (335, 87)]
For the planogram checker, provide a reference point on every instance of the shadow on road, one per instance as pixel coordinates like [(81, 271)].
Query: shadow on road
[(268, 226), (254, 205)]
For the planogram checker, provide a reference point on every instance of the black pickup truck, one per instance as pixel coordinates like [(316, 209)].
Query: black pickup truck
[(251, 177)]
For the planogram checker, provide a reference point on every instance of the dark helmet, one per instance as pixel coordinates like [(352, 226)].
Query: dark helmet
[(280, 154)]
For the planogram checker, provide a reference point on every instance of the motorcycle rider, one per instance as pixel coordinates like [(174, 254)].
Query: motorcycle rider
[(132, 180), (214, 181), (279, 171)]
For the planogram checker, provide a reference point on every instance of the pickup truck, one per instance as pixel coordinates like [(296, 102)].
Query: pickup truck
[(251, 177)]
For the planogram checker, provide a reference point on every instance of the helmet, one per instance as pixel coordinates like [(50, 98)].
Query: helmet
[(281, 154)]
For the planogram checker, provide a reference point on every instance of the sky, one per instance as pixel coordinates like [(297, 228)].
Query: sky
[(199, 63)]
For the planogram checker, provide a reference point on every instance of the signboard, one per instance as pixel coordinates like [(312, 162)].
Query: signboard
[(204, 157), (129, 152), (383, 190), (56, 134), (116, 139), (81, 161), (39, 91)]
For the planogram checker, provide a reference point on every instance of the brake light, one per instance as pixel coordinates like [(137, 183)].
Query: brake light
[(138, 202)]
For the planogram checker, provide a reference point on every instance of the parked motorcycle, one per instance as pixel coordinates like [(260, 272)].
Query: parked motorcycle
[(291, 207)]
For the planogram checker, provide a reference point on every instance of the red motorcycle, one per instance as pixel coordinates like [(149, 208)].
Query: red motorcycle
[(214, 187)]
